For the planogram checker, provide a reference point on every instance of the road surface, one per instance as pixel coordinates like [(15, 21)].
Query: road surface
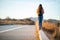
[(24, 33)]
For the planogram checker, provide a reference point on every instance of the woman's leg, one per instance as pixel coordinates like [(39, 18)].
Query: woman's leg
[(40, 21)]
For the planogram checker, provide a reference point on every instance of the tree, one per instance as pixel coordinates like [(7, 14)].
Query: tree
[(8, 18), (0, 18)]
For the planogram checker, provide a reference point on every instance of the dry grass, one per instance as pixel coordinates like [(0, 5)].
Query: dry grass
[(52, 27), (48, 25)]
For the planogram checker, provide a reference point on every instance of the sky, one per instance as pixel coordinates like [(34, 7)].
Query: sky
[(27, 8)]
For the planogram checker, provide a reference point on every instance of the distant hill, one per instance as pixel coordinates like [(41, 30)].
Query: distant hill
[(33, 18), (53, 20), (49, 20)]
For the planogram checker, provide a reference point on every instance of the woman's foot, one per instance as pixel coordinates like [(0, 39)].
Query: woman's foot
[(40, 28)]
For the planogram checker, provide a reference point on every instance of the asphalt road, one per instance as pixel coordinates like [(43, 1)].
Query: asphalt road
[(24, 33)]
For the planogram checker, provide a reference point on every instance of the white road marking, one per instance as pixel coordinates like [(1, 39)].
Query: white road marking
[(10, 29), (40, 36), (43, 35)]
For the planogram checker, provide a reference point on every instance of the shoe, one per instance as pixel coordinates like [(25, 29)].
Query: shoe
[(39, 28)]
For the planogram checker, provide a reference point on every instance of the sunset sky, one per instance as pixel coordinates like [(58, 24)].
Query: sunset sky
[(27, 8)]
